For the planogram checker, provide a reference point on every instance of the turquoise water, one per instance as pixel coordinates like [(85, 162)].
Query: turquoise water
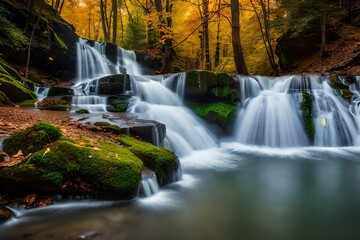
[(232, 192)]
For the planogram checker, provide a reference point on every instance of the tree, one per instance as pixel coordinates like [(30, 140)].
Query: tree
[(115, 20), (265, 31), (235, 38)]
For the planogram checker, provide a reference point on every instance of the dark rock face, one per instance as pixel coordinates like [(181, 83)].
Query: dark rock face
[(114, 84), (60, 91), (293, 46), (210, 87)]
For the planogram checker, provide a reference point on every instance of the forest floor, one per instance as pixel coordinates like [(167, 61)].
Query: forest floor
[(14, 118), (338, 52)]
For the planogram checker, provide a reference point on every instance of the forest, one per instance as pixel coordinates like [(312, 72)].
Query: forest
[(233, 36)]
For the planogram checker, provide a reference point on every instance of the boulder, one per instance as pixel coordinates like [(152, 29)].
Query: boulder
[(57, 165), (162, 161), (210, 87)]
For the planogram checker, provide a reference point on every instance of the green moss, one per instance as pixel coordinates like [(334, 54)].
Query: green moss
[(5, 68), (53, 102), (160, 160), (58, 39), (306, 107), (31, 139), (27, 103), (114, 129), (218, 85), (223, 110), (10, 34), (109, 165), (14, 90), (82, 111), (120, 107)]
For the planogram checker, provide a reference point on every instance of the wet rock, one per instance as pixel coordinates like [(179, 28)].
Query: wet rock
[(209, 87), (114, 84)]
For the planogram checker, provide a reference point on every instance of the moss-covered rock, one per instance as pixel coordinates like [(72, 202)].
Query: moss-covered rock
[(204, 87), (82, 111), (220, 113), (14, 91), (118, 103), (306, 107), (27, 103), (31, 139), (58, 165), (54, 103), (107, 168), (164, 162)]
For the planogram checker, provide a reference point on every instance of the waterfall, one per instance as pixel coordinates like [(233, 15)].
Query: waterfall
[(41, 92), (249, 87), (148, 185), (270, 117), (354, 107), (184, 131), (93, 62), (273, 117), (92, 103)]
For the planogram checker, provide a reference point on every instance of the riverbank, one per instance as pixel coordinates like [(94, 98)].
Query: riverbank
[(14, 118)]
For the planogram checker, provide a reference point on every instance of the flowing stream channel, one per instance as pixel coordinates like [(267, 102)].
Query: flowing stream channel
[(267, 181)]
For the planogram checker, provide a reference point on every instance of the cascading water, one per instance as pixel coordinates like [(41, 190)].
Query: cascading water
[(92, 64), (273, 118), (354, 107), (270, 118), (41, 92), (184, 132), (149, 185)]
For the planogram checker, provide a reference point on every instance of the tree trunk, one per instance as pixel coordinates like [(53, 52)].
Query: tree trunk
[(235, 34), (103, 20), (30, 40), (115, 20), (206, 34), (217, 49)]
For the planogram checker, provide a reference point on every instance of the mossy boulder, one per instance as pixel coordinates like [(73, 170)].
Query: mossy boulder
[(118, 103), (82, 111), (306, 108), (54, 103), (31, 139), (343, 89), (64, 167), (164, 162), (222, 114), (13, 88), (205, 87)]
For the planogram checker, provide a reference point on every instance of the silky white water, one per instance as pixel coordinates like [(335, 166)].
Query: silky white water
[(184, 131), (273, 117)]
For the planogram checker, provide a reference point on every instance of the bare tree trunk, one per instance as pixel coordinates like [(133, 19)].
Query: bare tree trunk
[(217, 49), (206, 34), (121, 25), (115, 20), (265, 33), (30, 40), (235, 34), (104, 20)]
